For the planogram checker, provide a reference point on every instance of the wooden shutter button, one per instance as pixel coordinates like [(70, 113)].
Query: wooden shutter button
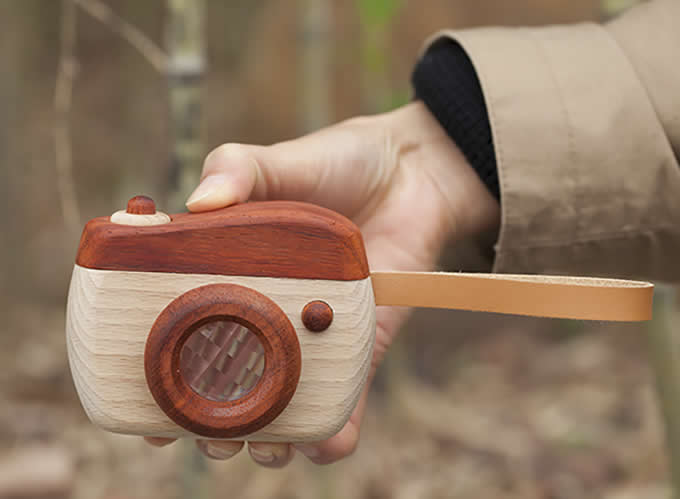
[(141, 210), (141, 205), (317, 315)]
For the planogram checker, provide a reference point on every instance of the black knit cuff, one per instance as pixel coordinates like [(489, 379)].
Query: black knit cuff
[(445, 80)]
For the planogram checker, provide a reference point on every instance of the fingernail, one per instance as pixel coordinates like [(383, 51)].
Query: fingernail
[(218, 452), (207, 188), (308, 450), (262, 456), (159, 441)]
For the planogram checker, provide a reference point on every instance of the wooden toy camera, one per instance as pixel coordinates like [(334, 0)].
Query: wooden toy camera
[(254, 321), (257, 321)]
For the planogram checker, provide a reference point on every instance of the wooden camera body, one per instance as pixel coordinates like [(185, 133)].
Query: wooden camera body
[(252, 322)]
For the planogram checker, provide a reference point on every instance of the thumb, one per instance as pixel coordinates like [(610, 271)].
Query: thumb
[(229, 175), (341, 167), (234, 173)]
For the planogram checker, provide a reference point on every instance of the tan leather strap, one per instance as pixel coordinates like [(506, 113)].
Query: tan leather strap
[(542, 296)]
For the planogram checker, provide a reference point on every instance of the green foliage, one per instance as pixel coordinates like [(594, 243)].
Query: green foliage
[(376, 17), (377, 13), (615, 7)]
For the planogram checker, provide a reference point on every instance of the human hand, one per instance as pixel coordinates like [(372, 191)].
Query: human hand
[(398, 176)]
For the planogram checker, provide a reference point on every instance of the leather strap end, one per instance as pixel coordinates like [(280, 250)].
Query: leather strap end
[(579, 298)]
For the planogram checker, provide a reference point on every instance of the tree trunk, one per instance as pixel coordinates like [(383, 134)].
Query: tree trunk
[(664, 341), (314, 50), (185, 35), (185, 40)]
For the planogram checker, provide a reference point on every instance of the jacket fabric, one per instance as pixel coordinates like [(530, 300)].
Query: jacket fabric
[(585, 122)]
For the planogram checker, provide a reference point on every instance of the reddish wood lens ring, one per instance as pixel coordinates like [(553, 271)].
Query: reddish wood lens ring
[(229, 419)]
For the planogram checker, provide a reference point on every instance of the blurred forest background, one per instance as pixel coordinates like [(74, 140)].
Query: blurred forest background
[(466, 405)]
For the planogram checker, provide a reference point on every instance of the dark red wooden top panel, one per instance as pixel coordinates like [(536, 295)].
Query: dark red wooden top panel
[(268, 239)]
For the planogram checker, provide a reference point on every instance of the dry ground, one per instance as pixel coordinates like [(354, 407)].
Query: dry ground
[(467, 405)]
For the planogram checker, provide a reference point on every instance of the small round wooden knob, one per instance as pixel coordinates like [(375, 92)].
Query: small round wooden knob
[(141, 205), (317, 315)]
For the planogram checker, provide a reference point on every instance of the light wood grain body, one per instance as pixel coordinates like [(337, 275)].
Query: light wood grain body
[(110, 314)]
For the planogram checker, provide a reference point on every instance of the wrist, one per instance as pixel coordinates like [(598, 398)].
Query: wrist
[(466, 206)]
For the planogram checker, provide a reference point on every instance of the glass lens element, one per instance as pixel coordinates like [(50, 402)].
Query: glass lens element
[(222, 360)]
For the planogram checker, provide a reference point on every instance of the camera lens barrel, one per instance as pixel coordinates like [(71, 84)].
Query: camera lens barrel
[(231, 357)]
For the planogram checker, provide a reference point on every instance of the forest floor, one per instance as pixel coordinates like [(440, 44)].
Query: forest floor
[(467, 405)]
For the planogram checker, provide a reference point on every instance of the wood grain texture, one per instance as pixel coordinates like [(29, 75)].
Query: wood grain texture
[(234, 418), (317, 316), (265, 239), (110, 314)]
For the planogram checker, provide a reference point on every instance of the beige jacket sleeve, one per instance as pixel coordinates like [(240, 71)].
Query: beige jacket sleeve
[(586, 129)]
